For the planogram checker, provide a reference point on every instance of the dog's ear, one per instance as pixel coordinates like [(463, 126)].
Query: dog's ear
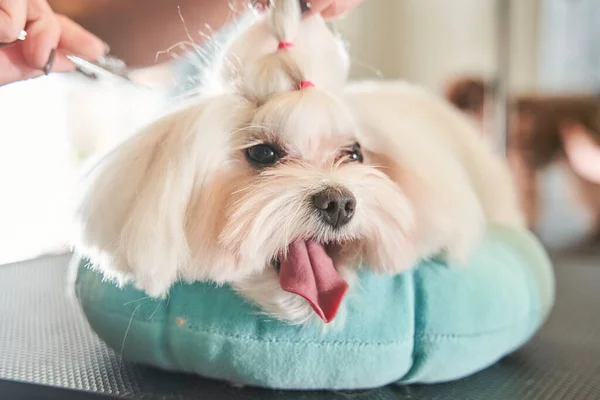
[(132, 204), (409, 137)]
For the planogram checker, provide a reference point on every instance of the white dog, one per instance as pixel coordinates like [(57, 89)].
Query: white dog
[(282, 180)]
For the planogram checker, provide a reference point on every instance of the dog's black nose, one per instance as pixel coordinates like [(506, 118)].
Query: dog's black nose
[(336, 205)]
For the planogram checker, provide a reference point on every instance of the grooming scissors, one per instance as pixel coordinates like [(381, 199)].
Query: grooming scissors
[(106, 66)]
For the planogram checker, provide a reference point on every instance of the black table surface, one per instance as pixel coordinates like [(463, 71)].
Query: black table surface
[(47, 350)]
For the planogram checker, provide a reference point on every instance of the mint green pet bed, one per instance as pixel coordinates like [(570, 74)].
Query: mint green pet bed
[(433, 324)]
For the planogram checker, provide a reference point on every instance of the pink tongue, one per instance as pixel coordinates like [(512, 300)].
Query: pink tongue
[(309, 272)]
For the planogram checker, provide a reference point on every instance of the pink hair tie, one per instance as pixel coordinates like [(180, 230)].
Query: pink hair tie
[(306, 84), (285, 45)]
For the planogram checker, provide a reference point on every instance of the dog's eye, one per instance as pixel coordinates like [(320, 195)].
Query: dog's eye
[(262, 155), (354, 154)]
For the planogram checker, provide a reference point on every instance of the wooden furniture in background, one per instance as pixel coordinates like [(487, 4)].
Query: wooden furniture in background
[(536, 134)]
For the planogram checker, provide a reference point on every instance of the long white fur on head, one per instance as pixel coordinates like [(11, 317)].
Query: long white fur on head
[(285, 19), (255, 64), (132, 213), (309, 121)]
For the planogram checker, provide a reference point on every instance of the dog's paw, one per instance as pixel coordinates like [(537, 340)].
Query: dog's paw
[(459, 251), (153, 288), (264, 290)]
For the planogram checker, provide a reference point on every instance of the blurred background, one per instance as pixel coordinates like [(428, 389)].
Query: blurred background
[(538, 59)]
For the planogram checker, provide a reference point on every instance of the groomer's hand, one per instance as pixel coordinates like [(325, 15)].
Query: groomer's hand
[(49, 38), (332, 8)]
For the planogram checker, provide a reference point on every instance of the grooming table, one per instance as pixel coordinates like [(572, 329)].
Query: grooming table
[(48, 351)]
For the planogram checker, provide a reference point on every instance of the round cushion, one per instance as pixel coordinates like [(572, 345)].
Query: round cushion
[(431, 324)]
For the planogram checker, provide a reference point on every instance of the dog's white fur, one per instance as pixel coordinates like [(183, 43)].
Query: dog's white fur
[(179, 200)]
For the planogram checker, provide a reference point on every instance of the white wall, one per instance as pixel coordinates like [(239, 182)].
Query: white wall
[(570, 49), (430, 40)]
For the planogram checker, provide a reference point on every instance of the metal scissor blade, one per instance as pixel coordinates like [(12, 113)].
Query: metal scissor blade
[(108, 67)]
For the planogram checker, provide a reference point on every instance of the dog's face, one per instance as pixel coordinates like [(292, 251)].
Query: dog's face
[(299, 194), (273, 189)]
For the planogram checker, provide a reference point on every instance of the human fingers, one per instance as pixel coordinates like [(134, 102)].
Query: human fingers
[(12, 19)]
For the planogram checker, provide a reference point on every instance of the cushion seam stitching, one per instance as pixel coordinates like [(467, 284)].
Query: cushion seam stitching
[(412, 338)]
